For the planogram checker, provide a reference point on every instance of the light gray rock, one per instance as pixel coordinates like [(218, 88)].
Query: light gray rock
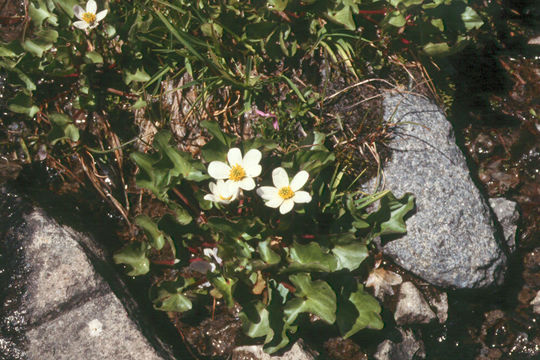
[(440, 305), (409, 348), (536, 303), (508, 215), (256, 352), (412, 308), (450, 239), (58, 305)]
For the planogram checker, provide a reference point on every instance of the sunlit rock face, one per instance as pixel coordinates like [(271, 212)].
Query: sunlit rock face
[(57, 299), (451, 238)]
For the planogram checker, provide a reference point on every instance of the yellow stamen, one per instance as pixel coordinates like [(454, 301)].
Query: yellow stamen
[(237, 173), (286, 192), (89, 17), (225, 198)]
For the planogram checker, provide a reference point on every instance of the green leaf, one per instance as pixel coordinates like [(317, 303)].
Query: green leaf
[(42, 41), (94, 57), (350, 256), (471, 19), (315, 297), (150, 228), (398, 208), (260, 30), (225, 286), (311, 257), (259, 325), (182, 216), (5, 51), (138, 76), (214, 129), (436, 49), (357, 311), (277, 5), (62, 128), (344, 17), (268, 255), (179, 160), (168, 296), (133, 255), (22, 104), (212, 30), (40, 14), (214, 150), (395, 18), (438, 23), (154, 179)]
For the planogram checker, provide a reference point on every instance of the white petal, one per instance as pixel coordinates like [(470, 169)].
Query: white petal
[(91, 6), (274, 202), (253, 170), (101, 15), (267, 192), (247, 183), (212, 187), (219, 170), (286, 206), (234, 186), (78, 11), (299, 180), (234, 156), (252, 158), (280, 177), (81, 25), (210, 197), (301, 197)]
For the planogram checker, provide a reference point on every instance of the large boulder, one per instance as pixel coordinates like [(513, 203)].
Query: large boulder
[(451, 239), (55, 302)]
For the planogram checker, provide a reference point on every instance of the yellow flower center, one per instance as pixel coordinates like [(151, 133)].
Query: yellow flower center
[(225, 198), (285, 192), (89, 17), (237, 173)]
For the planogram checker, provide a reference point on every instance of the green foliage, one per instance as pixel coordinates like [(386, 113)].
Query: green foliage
[(438, 27), (279, 268)]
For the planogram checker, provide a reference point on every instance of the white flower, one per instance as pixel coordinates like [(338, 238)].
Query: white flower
[(222, 192), (212, 253), (284, 194), (240, 171), (88, 18)]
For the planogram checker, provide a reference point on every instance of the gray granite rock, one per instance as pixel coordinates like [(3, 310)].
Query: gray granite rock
[(508, 215), (412, 308), (56, 303), (256, 352), (450, 239), (408, 349)]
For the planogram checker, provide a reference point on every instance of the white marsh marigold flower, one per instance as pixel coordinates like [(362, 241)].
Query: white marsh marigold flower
[(240, 171), (284, 194), (88, 18), (222, 192)]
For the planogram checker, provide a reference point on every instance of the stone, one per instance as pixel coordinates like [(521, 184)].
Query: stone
[(256, 352), (411, 307), (57, 303), (440, 304), (450, 240), (408, 349), (536, 303), (507, 213)]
